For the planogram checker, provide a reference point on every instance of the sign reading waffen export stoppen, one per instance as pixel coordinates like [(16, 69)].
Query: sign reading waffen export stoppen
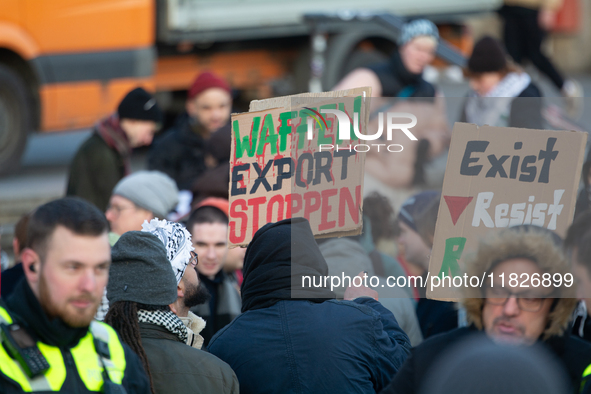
[(502, 177), (278, 171)]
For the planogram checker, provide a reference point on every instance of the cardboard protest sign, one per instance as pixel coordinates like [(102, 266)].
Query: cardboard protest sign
[(501, 177), (288, 160)]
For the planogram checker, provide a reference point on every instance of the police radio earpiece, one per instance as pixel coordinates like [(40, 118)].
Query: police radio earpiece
[(32, 268)]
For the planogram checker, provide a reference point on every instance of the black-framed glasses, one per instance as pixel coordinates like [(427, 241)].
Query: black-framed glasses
[(194, 259), (500, 296)]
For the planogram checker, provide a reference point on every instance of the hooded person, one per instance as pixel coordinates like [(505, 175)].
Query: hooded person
[(357, 346), (507, 313), (501, 94), (141, 288)]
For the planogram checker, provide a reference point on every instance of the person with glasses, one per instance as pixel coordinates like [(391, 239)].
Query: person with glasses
[(505, 312), (190, 290), (143, 195), (152, 285)]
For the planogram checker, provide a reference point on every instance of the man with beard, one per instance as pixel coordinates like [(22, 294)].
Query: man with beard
[(512, 312), (190, 291), (145, 295), (66, 264)]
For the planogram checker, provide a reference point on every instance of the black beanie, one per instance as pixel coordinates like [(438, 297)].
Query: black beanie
[(488, 56), (140, 105)]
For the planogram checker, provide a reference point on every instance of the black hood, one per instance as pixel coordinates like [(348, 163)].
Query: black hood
[(277, 258)]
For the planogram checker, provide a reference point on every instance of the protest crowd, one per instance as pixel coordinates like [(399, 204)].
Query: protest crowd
[(129, 283)]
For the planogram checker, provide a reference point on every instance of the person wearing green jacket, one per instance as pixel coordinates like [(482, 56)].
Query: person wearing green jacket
[(104, 158)]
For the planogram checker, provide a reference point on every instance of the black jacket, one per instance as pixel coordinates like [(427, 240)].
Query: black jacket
[(436, 317), (309, 343), (397, 81), (10, 278), (179, 368), (181, 151), (25, 309), (573, 353), (525, 111)]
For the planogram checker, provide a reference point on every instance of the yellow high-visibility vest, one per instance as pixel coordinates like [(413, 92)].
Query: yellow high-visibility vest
[(88, 362), (586, 377)]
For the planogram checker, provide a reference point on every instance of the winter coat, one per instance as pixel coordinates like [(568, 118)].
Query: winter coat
[(306, 347), (94, 171), (347, 257), (179, 368), (573, 353), (309, 344), (436, 317), (60, 339), (397, 81), (227, 303), (525, 110), (182, 152), (581, 322)]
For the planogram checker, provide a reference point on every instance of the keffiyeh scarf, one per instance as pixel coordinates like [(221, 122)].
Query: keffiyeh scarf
[(166, 319), (494, 108), (177, 240)]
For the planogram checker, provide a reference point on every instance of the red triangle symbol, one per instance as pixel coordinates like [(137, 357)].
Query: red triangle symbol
[(456, 206)]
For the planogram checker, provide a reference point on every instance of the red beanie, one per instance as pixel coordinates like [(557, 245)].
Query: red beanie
[(220, 203), (204, 81)]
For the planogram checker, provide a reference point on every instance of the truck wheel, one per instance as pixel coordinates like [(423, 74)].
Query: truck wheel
[(361, 58), (344, 52), (14, 119)]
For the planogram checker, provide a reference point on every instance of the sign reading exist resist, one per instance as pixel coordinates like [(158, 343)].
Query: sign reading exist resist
[(502, 177)]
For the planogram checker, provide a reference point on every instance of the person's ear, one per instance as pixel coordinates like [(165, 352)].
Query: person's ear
[(31, 265), (180, 289), (190, 107)]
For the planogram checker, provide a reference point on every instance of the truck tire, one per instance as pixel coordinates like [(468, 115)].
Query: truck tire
[(15, 118), (341, 50), (361, 58)]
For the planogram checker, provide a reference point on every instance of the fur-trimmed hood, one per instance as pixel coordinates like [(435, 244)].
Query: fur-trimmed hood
[(535, 244)]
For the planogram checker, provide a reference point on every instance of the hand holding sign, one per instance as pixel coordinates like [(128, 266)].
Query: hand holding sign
[(353, 291)]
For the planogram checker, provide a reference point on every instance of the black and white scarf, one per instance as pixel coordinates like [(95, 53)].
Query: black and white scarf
[(166, 319), (494, 108)]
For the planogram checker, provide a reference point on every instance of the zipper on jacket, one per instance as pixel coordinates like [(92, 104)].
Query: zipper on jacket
[(71, 368)]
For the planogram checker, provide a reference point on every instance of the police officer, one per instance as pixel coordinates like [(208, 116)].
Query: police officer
[(50, 341)]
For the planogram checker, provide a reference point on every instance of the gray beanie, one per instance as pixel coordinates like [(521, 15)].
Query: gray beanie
[(416, 28), (140, 271), (151, 190)]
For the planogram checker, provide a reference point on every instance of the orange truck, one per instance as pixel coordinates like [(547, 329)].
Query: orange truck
[(66, 63)]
